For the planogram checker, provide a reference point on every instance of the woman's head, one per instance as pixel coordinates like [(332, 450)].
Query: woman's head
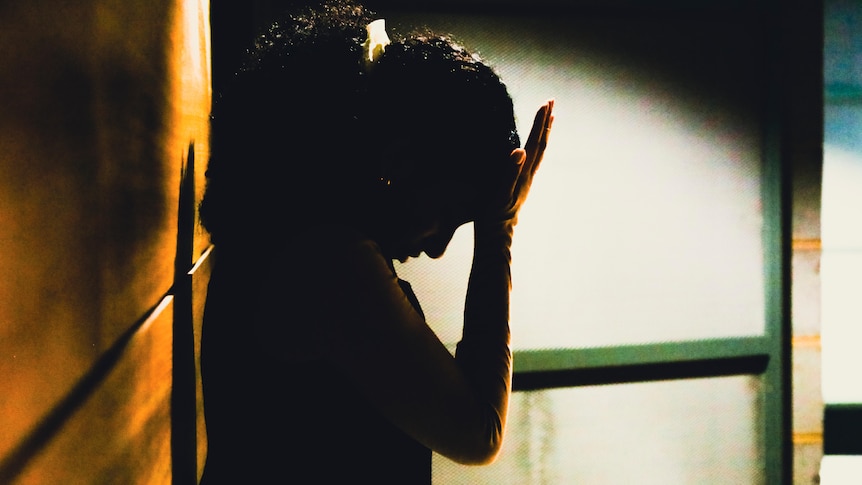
[(442, 128), (310, 130), (429, 94)]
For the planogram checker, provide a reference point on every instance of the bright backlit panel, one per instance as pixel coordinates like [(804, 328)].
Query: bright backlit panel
[(841, 274), (645, 223), (701, 431)]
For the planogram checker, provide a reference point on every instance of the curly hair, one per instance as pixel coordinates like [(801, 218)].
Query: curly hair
[(300, 121)]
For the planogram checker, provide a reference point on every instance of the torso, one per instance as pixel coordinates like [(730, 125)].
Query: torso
[(287, 417)]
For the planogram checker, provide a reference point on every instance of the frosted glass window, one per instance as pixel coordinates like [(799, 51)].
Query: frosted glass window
[(840, 470), (699, 431), (645, 222), (841, 274)]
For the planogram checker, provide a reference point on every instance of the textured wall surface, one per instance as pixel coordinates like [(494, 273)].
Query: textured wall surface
[(103, 103)]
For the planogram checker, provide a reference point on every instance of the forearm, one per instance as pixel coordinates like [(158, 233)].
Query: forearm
[(486, 310), (483, 353)]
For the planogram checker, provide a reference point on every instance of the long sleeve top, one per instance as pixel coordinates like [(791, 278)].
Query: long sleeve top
[(318, 364)]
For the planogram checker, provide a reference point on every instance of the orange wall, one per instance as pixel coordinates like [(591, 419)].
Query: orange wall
[(100, 103)]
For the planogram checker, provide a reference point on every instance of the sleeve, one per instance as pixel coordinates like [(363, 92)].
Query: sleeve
[(484, 354), (371, 332)]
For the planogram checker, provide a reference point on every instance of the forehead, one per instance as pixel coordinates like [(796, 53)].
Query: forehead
[(456, 200), (444, 170)]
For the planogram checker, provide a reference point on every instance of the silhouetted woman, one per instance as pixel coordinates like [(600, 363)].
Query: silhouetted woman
[(334, 154)]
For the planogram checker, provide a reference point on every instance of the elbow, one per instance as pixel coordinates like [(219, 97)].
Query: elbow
[(484, 456), (479, 455), (483, 447)]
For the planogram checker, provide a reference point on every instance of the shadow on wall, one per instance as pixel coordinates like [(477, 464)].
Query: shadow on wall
[(99, 108)]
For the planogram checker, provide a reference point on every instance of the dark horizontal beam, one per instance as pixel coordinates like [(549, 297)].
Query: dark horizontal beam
[(659, 371), (842, 429), (534, 360)]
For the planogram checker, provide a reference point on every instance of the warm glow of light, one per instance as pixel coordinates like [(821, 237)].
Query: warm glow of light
[(193, 93), (192, 87)]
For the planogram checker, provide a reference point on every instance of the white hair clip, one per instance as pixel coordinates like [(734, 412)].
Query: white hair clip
[(377, 39)]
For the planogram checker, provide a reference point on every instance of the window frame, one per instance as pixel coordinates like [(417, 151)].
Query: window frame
[(768, 355)]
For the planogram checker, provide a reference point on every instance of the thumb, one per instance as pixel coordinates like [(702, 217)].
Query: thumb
[(518, 156), (517, 161)]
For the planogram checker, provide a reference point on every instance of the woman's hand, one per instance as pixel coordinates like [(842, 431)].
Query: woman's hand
[(530, 157), (525, 161)]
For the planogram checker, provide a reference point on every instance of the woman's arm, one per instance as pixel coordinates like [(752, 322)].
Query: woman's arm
[(483, 353), (371, 333)]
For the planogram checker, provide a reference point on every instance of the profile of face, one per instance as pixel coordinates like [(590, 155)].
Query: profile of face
[(424, 219), (435, 146)]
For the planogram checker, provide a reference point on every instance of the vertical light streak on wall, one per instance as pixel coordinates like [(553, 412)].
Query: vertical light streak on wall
[(191, 88), (192, 93)]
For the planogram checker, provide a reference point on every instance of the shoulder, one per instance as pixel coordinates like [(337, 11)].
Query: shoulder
[(324, 262), (333, 249), (343, 239), (319, 281)]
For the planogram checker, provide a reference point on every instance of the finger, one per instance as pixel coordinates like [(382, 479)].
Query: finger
[(543, 140), (539, 122), (518, 156), (546, 125), (540, 135)]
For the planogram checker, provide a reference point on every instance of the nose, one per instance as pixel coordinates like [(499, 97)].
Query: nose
[(435, 246)]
